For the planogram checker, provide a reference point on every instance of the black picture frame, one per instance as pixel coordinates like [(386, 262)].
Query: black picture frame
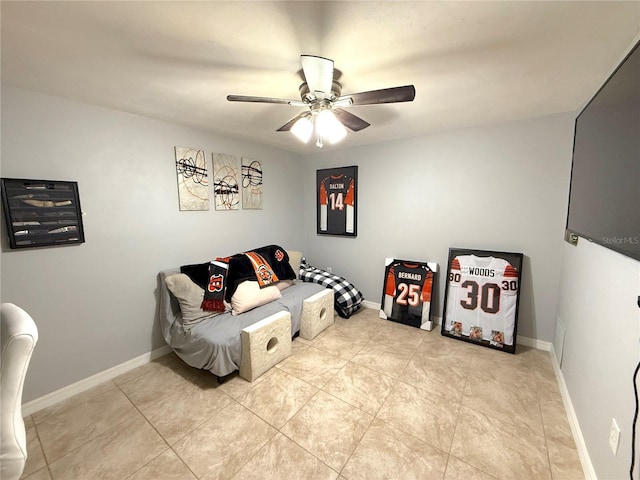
[(337, 201), (41, 213), (482, 297), (407, 291)]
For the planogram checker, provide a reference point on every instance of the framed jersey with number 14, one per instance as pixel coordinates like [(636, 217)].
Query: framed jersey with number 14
[(482, 297), (337, 201)]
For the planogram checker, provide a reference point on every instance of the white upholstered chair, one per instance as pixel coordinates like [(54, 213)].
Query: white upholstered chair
[(18, 336)]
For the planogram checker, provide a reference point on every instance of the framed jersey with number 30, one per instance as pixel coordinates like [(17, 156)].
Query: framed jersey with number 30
[(482, 297), (336, 195)]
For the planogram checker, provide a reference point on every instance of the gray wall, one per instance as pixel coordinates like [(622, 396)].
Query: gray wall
[(598, 294), (503, 188), (95, 303), (599, 291)]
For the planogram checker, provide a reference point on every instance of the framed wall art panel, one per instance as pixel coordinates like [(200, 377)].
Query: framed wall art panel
[(41, 213), (482, 297), (226, 188), (251, 171), (193, 182), (337, 201)]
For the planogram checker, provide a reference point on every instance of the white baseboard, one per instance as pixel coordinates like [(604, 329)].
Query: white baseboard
[(437, 321), (370, 304), (534, 343), (585, 460), (92, 381)]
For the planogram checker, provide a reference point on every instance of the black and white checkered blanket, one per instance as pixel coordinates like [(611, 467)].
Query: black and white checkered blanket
[(347, 298)]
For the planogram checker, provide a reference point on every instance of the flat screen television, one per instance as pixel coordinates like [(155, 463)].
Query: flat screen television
[(604, 197)]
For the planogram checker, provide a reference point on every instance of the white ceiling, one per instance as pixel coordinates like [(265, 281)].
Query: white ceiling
[(471, 62)]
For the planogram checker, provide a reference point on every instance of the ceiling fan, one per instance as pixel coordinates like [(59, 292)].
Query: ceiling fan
[(322, 95)]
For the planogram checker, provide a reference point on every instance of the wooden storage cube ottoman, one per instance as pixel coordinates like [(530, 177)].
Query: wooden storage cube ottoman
[(317, 314), (264, 344)]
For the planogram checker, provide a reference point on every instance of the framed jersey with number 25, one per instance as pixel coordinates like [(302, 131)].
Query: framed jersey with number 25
[(482, 297), (337, 201), (406, 292)]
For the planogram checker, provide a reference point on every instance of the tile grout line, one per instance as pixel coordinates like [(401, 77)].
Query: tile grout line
[(46, 462), (152, 426), (278, 430), (396, 381), (375, 416), (51, 462), (321, 389), (455, 429), (544, 428), (373, 419)]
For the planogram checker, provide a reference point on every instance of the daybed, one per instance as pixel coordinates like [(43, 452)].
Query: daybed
[(213, 341)]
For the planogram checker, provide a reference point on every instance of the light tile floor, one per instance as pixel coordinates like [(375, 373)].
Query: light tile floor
[(367, 399)]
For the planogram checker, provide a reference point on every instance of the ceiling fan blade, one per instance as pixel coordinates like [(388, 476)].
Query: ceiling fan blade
[(318, 72), (350, 120), (287, 126), (386, 95), (246, 98)]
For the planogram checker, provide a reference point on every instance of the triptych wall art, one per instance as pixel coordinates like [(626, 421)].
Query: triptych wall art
[(225, 182), (251, 172), (193, 182), (232, 176)]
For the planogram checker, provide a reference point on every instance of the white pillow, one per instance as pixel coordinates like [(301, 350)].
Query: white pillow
[(294, 261), (189, 296), (284, 284), (249, 295)]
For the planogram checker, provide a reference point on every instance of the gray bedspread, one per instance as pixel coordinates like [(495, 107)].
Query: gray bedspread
[(214, 343)]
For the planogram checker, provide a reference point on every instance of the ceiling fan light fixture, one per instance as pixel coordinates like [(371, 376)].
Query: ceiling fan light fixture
[(321, 93), (303, 129), (329, 127)]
